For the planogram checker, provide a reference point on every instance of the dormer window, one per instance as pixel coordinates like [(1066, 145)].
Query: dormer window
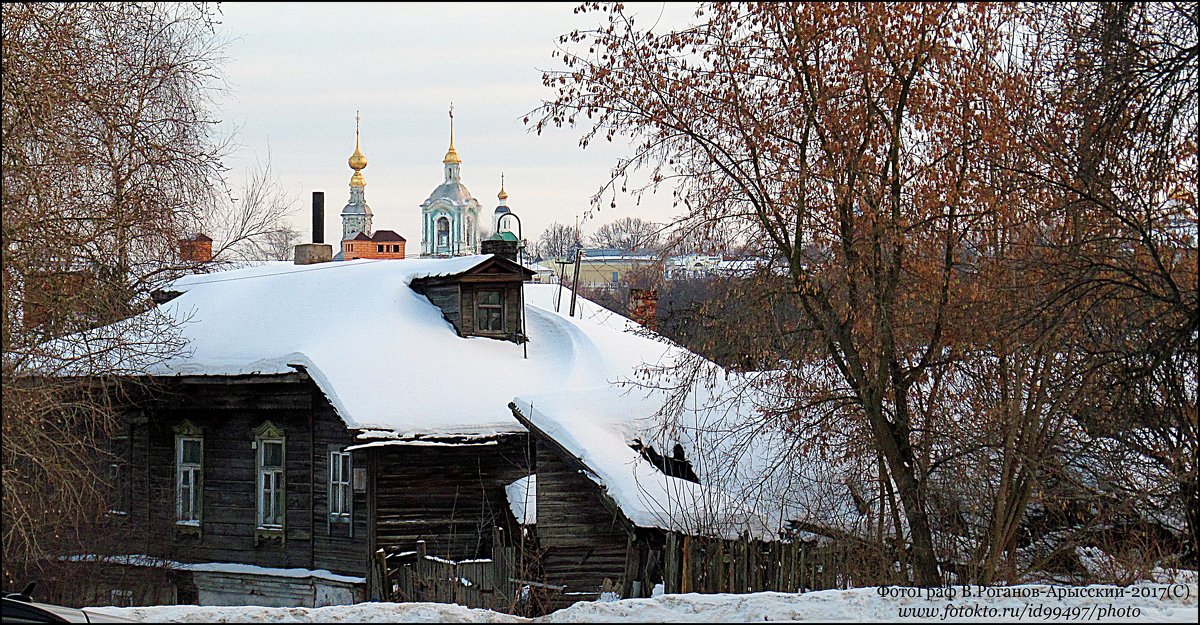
[(482, 301), (489, 310)]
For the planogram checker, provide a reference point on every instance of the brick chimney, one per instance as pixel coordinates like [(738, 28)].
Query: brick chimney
[(643, 307), (499, 247), (197, 249)]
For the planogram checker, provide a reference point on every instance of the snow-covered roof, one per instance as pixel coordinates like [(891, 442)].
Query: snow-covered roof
[(382, 353), (596, 426), (392, 366), (522, 499)]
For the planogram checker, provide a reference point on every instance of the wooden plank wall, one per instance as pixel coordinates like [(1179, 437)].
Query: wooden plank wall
[(448, 299), (228, 409), (583, 543), (338, 547), (714, 565), (449, 496), (482, 583)]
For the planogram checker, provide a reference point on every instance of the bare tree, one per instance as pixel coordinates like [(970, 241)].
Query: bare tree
[(253, 227), (108, 160), (557, 241), (628, 234)]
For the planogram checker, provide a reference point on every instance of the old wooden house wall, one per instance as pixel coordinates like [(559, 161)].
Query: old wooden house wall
[(448, 299), (584, 542), (450, 496), (228, 410)]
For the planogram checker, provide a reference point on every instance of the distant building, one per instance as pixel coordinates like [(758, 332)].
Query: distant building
[(382, 244), (450, 216), (691, 266), (356, 216), (609, 268)]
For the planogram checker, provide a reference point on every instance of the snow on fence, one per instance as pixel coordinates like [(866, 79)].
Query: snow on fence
[(715, 565)]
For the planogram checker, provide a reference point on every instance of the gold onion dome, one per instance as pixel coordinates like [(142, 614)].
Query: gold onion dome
[(357, 161), (503, 195)]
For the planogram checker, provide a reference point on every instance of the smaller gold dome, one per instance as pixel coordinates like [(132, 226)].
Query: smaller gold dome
[(451, 154), (357, 160), (356, 180), (502, 194)]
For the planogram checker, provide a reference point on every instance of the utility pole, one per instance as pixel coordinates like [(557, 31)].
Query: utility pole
[(562, 274), (575, 280)]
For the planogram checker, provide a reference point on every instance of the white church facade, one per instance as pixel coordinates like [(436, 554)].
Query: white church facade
[(450, 216)]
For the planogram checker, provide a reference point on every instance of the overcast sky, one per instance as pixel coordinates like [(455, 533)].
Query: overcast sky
[(297, 73)]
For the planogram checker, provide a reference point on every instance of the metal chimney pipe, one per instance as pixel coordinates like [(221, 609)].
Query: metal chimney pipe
[(318, 216)]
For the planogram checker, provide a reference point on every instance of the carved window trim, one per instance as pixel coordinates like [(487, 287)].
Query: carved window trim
[(270, 480), (189, 478)]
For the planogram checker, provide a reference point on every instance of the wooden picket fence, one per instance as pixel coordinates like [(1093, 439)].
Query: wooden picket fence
[(689, 564), (714, 565), (417, 576)]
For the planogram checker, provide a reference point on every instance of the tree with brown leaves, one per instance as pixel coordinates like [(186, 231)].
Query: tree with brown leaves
[(886, 153)]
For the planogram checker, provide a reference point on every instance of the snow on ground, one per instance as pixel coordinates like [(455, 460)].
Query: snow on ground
[(1154, 603)]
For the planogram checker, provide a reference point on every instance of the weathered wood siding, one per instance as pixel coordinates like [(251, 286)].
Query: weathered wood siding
[(449, 300), (450, 496), (338, 547), (228, 410), (583, 542)]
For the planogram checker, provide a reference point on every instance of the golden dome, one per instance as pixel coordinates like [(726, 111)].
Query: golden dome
[(451, 154), (503, 195), (357, 160), (356, 180)]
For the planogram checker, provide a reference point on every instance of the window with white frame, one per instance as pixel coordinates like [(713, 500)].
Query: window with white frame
[(189, 474), (340, 495), (272, 492)]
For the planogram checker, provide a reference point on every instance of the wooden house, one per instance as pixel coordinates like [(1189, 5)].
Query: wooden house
[(325, 411), (607, 502)]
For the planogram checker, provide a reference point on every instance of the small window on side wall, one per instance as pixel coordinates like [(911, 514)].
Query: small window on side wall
[(340, 495), (489, 310)]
